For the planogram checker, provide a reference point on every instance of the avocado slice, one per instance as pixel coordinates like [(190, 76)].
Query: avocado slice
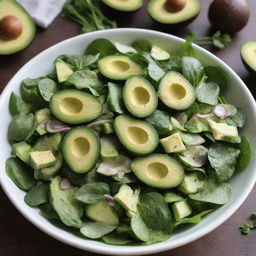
[(159, 54), (81, 149), (181, 209), (173, 11), (136, 135), (248, 54), (75, 106), (173, 143), (108, 149), (126, 6), (158, 170), (42, 115), (176, 92), (118, 67), (63, 70), (10, 8), (139, 96), (42, 159), (171, 197), (102, 212), (21, 150)]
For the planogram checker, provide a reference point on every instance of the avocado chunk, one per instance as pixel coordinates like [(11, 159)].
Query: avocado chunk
[(165, 11), (126, 6), (108, 150), (102, 212), (13, 12), (128, 198), (158, 170), (45, 143), (224, 132), (41, 159), (139, 96), (248, 54), (159, 54), (68, 209), (136, 135), (181, 209), (176, 92), (118, 67), (63, 70), (21, 150), (42, 115), (173, 143), (75, 106), (171, 197), (81, 149)]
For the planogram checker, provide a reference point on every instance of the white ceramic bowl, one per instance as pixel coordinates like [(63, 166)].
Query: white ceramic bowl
[(238, 94)]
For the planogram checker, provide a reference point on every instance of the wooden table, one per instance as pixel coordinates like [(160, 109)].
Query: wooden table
[(18, 237)]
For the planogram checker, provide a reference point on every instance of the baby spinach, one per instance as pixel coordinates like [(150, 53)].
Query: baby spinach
[(161, 121), (92, 193), (192, 69), (192, 110), (37, 195), (142, 45), (20, 174), (155, 212), (139, 228), (245, 154), (197, 125), (115, 101), (18, 106), (122, 48), (223, 160), (174, 63), (207, 93), (116, 239), (100, 46), (48, 212), (47, 87), (213, 193), (156, 236), (187, 48), (238, 119)]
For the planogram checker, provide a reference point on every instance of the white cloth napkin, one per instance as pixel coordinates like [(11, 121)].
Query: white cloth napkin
[(43, 12)]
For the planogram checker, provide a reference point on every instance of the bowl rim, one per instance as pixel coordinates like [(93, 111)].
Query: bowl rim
[(134, 250)]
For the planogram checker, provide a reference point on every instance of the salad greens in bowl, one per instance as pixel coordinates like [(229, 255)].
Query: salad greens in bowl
[(127, 141)]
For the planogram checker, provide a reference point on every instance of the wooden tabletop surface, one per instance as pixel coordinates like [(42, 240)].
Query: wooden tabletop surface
[(18, 237)]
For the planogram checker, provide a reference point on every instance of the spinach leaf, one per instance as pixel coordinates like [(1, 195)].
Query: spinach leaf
[(197, 125), (37, 195), (245, 154), (213, 193), (48, 212), (116, 239), (20, 174), (218, 75), (139, 228), (115, 100), (161, 121), (155, 212), (156, 236), (192, 139), (47, 87), (142, 45), (187, 48), (223, 160), (75, 178), (122, 48), (192, 110), (207, 93), (174, 63), (239, 118), (95, 230), (101, 46), (192, 69), (21, 127), (18, 106), (92, 193), (86, 79)]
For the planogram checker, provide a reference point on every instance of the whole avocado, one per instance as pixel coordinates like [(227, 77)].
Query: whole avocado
[(229, 16)]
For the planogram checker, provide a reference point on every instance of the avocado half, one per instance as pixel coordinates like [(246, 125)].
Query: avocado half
[(12, 8), (248, 55), (187, 12), (125, 6)]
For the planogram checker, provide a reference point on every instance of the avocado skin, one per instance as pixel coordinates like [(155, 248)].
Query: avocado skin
[(250, 70), (229, 16)]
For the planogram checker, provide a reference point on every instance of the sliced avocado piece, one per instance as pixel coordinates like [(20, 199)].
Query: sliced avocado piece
[(63, 70), (81, 149), (102, 212), (136, 135), (21, 150), (108, 128), (158, 170), (40, 129), (42, 159), (118, 67), (173, 143), (108, 150), (224, 132), (42, 115), (181, 209), (68, 209), (75, 106), (159, 54), (128, 198), (173, 12), (248, 54), (139, 96), (171, 197), (45, 143), (49, 172), (11, 40), (126, 6), (175, 91)]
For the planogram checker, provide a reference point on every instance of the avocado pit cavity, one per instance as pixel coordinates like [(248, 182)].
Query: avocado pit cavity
[(120, 66), (157, 170), (137, 135), (177, 92), (81, 147), (174, 6), (71, 106), (10, 28), (140, 96)]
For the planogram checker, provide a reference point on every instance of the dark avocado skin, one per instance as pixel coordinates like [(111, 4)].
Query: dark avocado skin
[(229, 16)]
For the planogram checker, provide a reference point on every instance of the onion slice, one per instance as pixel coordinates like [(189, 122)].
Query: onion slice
[(110, 200), (220, 111), (54, 126), (65, 184)]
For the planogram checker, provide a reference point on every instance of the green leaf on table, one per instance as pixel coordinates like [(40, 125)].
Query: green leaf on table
[(245, 154), (207, 93), (47, 87)]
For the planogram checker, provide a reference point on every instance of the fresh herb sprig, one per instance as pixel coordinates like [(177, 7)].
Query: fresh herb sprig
[(247, 228), (87, 14)]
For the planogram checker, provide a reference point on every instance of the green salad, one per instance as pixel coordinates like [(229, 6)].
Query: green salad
[(126, 144)]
